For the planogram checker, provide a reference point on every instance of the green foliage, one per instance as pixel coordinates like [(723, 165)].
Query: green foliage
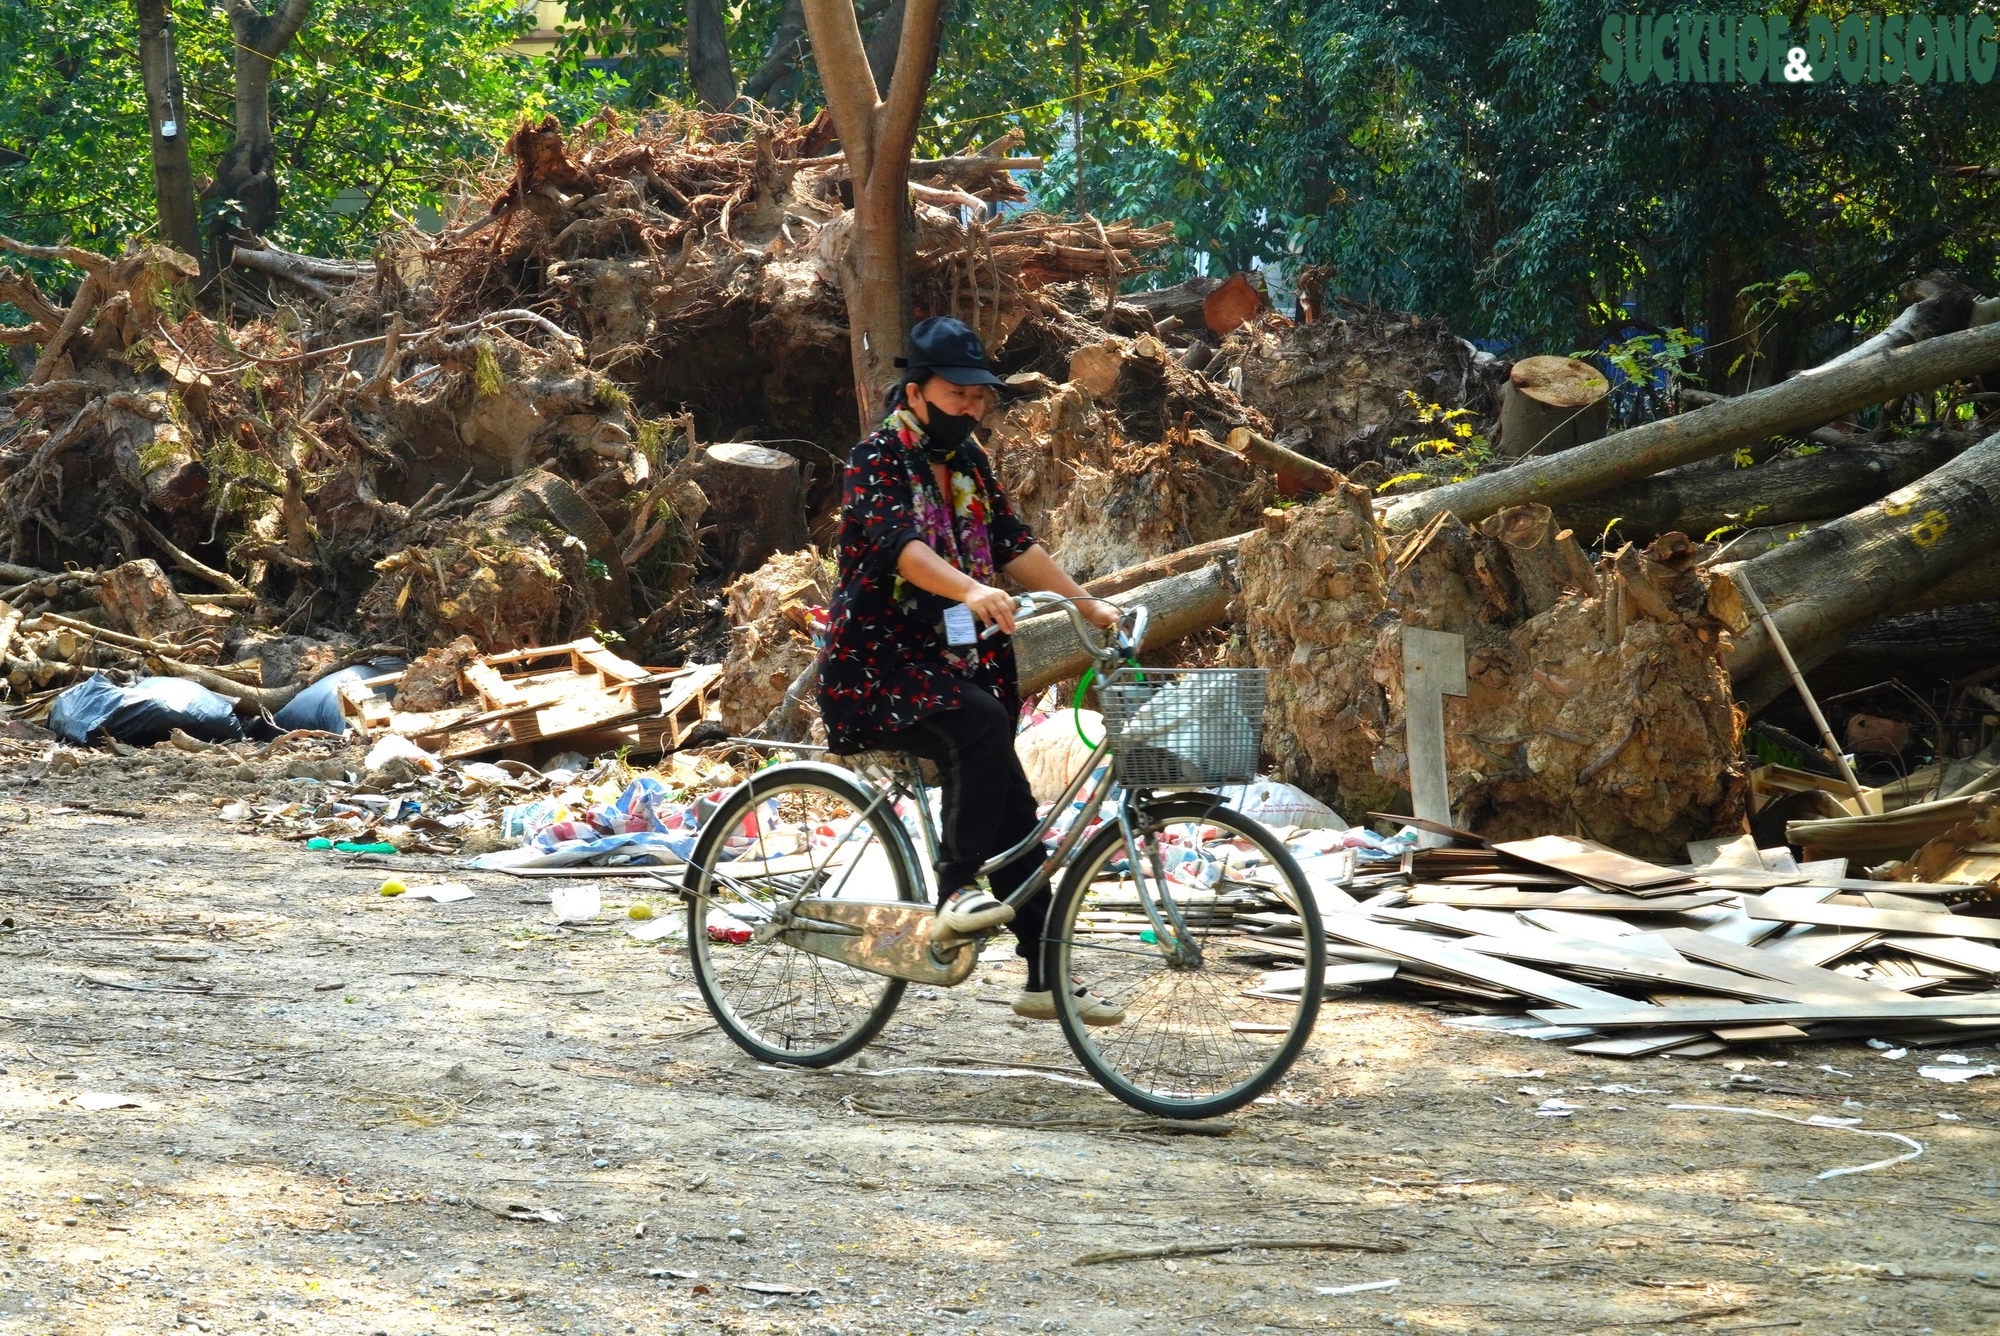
[(1446, 445), (1654, 368), (374, 111)]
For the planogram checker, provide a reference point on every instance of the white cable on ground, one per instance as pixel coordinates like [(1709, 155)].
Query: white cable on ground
[(1821, 1120)]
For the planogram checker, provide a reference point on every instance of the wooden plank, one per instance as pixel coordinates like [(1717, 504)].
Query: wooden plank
[(1638, 1045), (1582, 902), (1414, 946), (1586, 860), (1794, 1013), (1952, 951), (1886, 920), (1817, 984), (1819, 946), (1633, 966), (1433, 668)]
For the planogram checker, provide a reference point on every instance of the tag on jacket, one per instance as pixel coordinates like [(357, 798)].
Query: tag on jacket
[(961, 628)]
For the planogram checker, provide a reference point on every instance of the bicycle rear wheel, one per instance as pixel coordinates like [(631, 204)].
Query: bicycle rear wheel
[(802, 828), (1193, 1043)]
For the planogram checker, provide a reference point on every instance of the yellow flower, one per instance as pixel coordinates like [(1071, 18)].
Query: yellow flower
[(961, 494)]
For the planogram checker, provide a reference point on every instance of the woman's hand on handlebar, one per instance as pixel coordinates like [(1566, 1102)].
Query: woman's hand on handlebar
[(1100, 614), (991, 606)]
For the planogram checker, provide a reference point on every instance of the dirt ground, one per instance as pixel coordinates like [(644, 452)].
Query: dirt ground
[(340, 1095)]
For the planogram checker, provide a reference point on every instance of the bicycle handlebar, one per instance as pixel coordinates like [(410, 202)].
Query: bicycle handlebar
[(1126, 638)]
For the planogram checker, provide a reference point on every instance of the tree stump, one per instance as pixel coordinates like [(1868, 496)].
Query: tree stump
[(756, 504), (1551, 404)]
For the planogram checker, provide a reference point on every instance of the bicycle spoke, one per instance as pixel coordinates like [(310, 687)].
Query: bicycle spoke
[(1189, 1034), (810, 839)]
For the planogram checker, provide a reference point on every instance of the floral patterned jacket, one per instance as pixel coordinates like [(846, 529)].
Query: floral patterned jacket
[(886, 664)]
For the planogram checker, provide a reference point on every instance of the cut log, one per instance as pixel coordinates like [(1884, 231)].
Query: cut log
[(1697, 500), (1946, 306), (1182, 300), (1232, 303), (755, 504), (1296, 474), (1793, 405), (1159, 568), (1046, 650), (1977, 581), (1095, 366), (1830, 583), (1551, 404), (139, 600)]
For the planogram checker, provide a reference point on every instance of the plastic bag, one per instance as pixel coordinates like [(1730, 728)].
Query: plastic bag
[(143, 713), (318, 706), (1279, 804)]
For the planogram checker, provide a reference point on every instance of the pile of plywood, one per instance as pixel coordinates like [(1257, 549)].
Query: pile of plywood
[(580, 694), (1558, 938)]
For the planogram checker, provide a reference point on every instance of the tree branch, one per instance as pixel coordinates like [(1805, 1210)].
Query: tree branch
[(896, 119), (851, 94)]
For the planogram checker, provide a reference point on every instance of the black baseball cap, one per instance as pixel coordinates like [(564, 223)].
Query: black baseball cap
[(942, 346)]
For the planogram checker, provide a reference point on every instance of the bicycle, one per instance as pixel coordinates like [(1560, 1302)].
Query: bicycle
[(809, 913)]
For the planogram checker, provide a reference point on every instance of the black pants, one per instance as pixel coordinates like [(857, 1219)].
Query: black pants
[(987, 807)]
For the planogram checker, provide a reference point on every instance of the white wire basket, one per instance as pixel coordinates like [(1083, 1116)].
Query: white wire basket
[(1184, 727)]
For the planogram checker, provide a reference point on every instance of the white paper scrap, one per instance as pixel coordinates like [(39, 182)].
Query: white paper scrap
[(1357, 1289)]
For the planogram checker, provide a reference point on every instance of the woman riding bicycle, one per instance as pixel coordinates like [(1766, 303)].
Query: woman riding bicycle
[(924, 530)]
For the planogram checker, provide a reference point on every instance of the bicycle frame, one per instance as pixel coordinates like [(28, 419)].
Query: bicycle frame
[(905, 780)]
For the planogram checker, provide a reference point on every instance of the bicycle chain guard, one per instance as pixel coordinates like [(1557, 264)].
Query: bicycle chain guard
[(891, 937)]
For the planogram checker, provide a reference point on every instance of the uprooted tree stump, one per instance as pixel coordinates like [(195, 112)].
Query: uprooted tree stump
[(1596, 701), (770, 635)]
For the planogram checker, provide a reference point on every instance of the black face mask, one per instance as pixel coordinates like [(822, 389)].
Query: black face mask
[(945, 432)]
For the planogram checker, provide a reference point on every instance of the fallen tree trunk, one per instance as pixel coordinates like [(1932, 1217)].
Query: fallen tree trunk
[(1187, 559), (1793, 405), (1946, 308), (1046, 649), (1831, 582), (1697, 501), (1182, 299), (1942, 642)]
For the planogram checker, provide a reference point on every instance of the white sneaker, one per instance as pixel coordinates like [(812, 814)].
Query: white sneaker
[(971, 911), (1093, 1009)]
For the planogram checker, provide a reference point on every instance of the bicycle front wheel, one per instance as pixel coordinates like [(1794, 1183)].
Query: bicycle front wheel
[(1194, 1041), (791, 831)]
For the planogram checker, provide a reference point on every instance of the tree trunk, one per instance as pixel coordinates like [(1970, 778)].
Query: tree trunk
[(1823, 587), (173, 178), (1046, 650), (1793, 405), (245, 172), (1697, 500), (1945, 309), (1182, 299), (754, 504), (1943, 642), (877, 134), (708, 56), (1551, 404)]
